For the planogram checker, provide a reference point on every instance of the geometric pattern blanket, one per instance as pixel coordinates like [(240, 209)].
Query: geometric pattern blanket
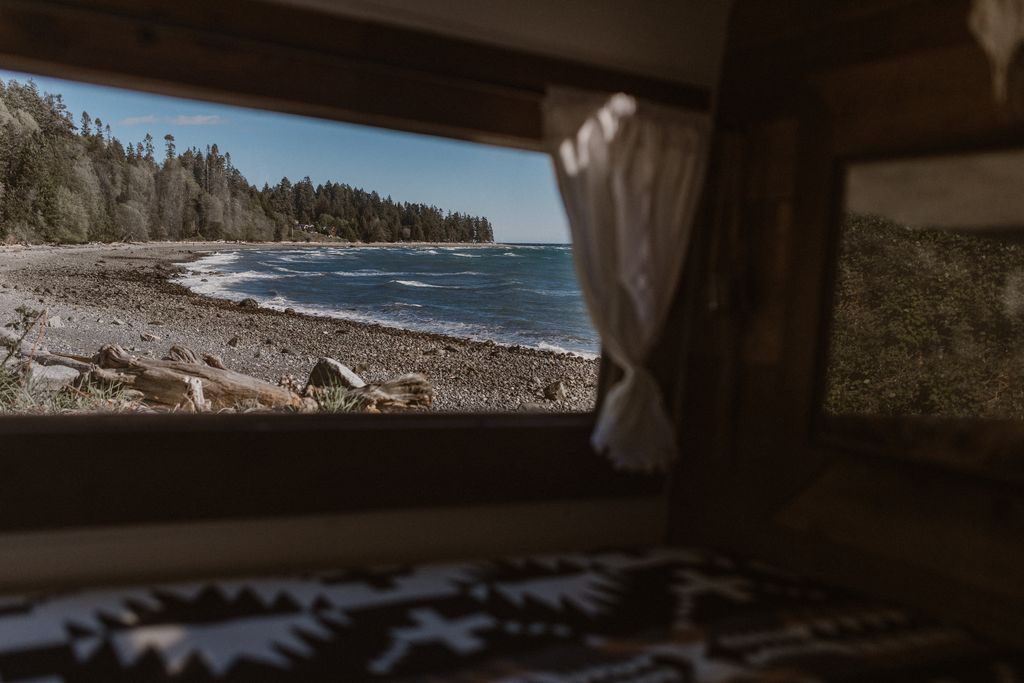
[(636, 616)]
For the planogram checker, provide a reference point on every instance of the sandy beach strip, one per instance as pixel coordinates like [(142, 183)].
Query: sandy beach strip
[(112, 294)]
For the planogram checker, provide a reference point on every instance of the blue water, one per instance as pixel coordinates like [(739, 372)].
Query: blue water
[(511, 294)]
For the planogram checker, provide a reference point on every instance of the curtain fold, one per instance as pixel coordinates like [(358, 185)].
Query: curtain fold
[(630, 173), (998, 25)]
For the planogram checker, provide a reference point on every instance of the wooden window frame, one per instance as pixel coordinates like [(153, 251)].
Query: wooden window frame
[(106, 470)]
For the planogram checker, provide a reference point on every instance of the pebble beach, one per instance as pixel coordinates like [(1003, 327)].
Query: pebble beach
[(124, 294)]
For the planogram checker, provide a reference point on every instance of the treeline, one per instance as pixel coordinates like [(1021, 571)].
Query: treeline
[(63, 180)]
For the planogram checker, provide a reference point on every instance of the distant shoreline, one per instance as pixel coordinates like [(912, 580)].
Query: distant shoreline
[(213, 246), (94, 286)]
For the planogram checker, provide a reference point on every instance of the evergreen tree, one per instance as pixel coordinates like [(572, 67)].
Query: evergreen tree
[(62, 185), (170, 150)]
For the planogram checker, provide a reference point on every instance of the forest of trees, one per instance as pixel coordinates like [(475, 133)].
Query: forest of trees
[(64, 179)]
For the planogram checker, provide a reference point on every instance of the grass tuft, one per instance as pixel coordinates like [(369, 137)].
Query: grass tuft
[(18, 395), (338, 399)]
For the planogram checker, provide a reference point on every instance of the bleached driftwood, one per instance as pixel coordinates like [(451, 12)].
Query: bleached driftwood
[(182, 380), (214, 361), (165, 382), (195, 395), (39, 354), (187, 355), (408, 391), (182, 354)]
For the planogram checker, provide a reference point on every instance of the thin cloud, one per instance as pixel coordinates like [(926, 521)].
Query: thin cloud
[(198, 120), (137, 120)]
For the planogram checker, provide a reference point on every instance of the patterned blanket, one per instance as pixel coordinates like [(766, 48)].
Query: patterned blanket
[(645, 616)]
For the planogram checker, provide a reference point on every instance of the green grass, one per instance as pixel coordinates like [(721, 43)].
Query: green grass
[(338, 399), (19, 396)]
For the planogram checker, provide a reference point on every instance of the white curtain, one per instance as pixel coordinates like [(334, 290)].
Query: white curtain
[(998, 26), (630, 173)]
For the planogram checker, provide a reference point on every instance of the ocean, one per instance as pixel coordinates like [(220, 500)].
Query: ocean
[(512, 294)]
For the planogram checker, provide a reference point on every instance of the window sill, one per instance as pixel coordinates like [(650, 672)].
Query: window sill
[(82, 471)]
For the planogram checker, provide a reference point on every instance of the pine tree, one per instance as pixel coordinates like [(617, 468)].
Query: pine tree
[(170, 151)]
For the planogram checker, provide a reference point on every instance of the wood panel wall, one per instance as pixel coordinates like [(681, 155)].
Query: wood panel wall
[(806, 87)]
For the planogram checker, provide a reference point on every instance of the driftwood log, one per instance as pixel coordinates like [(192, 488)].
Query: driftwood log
[(39, 354), (181, 380), (172, 383), (182, 354), (408, 391)]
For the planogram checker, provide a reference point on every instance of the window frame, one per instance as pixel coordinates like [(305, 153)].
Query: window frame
[(80, 471)]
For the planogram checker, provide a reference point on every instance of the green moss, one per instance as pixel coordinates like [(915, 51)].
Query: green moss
[(926, 322)]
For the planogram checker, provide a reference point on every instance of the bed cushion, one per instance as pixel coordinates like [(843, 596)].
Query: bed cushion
[(644, 616)]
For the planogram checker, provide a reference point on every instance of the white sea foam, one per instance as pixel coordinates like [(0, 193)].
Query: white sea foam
[(550, 292), (417, 283), (399, 273), (292, 271), (223, 279), (544, 346), (465, 255), (368, 272), (205, 276), (214, 261)]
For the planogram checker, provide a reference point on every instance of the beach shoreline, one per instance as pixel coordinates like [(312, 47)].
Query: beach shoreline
[(115, 293)]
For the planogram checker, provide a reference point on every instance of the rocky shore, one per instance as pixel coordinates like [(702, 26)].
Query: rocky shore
[(122, 294)]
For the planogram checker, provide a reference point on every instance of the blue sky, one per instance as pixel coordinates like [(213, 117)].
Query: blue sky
[(516, 190)]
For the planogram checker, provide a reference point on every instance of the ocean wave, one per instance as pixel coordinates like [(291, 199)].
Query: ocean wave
[(249, 276), (465, 255), (214, 261), (292, 271), (398, 273), (509, 253), (368, 272), (544, 346), (550, 292), (417, 283), (207, 283)]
